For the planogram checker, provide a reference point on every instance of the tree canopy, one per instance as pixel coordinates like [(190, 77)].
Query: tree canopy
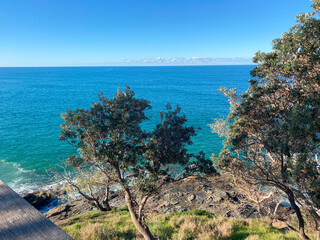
[(110, 138), (273, 130)]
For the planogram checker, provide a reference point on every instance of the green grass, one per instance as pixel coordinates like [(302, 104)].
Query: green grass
[(259, 229), (195, 224)]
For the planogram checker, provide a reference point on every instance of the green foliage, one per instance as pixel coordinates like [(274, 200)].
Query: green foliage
[(109, 133), (273, 129), (168, 141), (111, 141)]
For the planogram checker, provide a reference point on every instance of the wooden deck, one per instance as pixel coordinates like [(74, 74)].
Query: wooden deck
[(19, 220)]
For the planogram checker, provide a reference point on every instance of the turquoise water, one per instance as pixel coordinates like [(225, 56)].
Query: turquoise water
[(32, 99)]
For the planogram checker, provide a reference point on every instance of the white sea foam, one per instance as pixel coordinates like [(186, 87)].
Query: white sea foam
[(17, 174), (15, 165), (22, 188)]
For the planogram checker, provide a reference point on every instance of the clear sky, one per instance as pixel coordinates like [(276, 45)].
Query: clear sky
[(140, 32)]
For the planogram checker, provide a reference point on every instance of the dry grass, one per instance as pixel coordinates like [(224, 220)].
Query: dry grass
[(253, 237), (192, 225)]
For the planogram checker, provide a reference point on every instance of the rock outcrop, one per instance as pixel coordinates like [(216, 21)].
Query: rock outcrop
[(39, 199), (213, 194)]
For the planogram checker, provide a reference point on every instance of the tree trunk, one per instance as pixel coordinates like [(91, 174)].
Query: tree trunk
[(101, 207), (93, 199), (141, 226), (275, 210), (105, 201), (295, 207), (107, 205)]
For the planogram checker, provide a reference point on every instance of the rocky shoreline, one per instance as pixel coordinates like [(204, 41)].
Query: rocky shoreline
[(213, 194), (44, 200)]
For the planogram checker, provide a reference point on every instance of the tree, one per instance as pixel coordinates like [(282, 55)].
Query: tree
[(273, 129), (109, 136), (85, 179)]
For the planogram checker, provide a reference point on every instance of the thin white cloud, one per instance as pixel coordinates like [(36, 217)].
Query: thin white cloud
[(160, 61)]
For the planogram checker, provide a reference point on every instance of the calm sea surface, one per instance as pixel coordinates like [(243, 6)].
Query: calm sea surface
[(32, 99)]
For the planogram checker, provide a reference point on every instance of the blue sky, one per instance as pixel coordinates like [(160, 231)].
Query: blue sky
[(140, 32)]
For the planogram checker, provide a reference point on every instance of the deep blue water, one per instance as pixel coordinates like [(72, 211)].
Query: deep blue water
[(32, 99)]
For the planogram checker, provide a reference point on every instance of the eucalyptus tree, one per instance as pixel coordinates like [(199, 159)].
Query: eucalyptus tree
[(110, 137), (273, 129)]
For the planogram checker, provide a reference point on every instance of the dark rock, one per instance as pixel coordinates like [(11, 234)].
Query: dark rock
[(39, 199), (232, 197)]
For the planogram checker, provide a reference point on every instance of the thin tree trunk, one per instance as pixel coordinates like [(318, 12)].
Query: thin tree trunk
[(141, 226), (98, 205), (316, 219), (105, 201), (295, 207), (314, 214), (90, 198), (276, 209), (259, 208)]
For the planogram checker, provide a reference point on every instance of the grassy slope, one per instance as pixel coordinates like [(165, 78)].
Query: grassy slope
[(195, 224)]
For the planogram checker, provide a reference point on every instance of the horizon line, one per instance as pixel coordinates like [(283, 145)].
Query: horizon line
[(191, 65)]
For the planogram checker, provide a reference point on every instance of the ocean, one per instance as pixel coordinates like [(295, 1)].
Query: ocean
[(32, 99)]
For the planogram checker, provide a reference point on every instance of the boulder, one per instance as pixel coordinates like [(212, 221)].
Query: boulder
[(39, 199)]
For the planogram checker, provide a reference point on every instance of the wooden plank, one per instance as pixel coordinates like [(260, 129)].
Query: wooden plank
[(20, 221)]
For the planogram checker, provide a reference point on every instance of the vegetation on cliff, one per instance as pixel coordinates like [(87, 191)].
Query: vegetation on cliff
[(272, 131), (194, 224), (111, 141)]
